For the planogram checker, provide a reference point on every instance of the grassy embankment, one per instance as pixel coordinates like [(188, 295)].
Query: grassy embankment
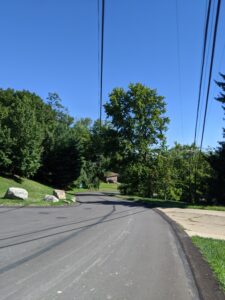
[(37, 192), (214, 252), (152, 202)]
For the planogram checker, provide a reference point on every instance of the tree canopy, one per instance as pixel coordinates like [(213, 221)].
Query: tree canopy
[(139, 124), (138, 117), (32, 132), (40, 139)]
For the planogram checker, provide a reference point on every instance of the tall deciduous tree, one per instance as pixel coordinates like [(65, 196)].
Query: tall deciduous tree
[(60, 160), (138, 118), (190, 173), (37, 138), (22, 132)]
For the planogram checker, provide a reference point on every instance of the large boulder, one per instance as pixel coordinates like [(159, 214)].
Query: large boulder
[(51, 198), (16, 193), (73, 199), (60, 194)]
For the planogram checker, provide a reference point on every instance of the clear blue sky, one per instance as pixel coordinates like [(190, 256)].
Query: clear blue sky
[(52, 46)]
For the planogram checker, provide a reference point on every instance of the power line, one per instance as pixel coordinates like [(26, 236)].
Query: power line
[(102, 57), (210, 71), (213, 8), (202, 67), (98, 26)]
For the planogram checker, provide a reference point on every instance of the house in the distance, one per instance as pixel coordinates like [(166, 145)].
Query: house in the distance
[(111, 177)]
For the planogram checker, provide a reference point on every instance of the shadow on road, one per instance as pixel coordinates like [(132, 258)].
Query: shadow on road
[(102, 220), (60, 226), (111, 216), (115, 202), (130, 201), (11, 209)]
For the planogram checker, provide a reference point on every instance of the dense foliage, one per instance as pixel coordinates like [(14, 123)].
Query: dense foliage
[(217, 158), (39, 139), (22, 130), (35, 136), (139, 123), (187, 172)]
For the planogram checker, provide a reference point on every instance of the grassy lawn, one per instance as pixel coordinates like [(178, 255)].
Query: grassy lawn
[(152, 202), (214, 252), (36, 192), (104, 187), (108, 187)]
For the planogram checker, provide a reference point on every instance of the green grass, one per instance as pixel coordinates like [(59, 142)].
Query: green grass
[(35, 190), (104, 187), (152, 202), (108, 187), (214, 252)]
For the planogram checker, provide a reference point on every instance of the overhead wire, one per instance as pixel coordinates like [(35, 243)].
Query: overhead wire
[(218, 67), (210, 70), (98, 46), (102, 58), (206, 64), (202, 67)]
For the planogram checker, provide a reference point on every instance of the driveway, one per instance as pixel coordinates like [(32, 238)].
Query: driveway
[(201, 222), (101, 248)]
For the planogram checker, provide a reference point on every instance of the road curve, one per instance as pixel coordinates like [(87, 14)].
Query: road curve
[(101, 248)]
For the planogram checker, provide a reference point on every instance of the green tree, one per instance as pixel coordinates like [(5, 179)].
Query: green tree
[(82, 133), (95, 156), (22, 132), (217, 181), (191, 172), (61, 158), (217, 157), (138, 123), (62, 165), (163, 175), (138, 117), (221, 96)]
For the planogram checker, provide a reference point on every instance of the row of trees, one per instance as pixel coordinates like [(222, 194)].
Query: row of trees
[(39, 139), (36, 138)]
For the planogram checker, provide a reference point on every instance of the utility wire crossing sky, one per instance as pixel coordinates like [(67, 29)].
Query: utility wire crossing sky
[(53, 46)]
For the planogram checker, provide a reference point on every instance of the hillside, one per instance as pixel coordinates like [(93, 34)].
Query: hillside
[(36, 192)]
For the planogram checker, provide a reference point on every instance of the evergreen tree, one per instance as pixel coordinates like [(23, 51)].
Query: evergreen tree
[(221, 97)]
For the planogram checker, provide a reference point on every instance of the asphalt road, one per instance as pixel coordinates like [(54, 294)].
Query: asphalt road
[(101, 248)]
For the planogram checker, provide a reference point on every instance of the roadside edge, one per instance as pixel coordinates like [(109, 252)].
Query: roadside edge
[(205, 281)]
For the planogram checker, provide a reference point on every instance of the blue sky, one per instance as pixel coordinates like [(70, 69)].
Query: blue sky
[(52, 46)]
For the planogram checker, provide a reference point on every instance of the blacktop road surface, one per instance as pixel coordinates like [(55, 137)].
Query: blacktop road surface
[(100, 248)]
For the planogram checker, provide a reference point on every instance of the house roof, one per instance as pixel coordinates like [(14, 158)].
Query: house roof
[(110, 174)]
